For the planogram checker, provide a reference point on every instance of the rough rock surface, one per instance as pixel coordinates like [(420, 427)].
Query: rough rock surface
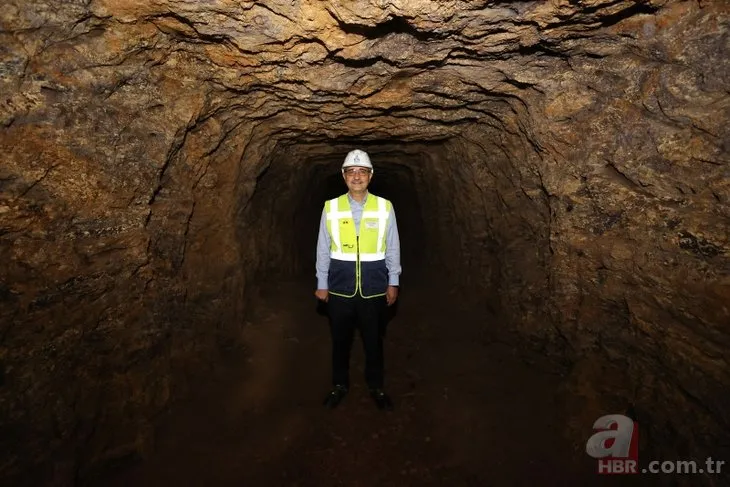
[(564, 162)]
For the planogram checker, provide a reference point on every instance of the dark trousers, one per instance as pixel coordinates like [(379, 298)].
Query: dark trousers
[(370, 317)]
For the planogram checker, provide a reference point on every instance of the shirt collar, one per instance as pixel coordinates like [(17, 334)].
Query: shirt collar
[(352, 200)]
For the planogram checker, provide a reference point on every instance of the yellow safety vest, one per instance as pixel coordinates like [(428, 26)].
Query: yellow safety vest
[(357, 260)]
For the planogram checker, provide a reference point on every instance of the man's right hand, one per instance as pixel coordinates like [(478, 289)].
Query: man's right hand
[(322, 294)]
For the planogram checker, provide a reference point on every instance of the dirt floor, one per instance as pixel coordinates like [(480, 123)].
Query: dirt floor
[(469, 410)]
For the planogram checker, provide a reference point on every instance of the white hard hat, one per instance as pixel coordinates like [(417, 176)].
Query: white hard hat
[(358, 158)]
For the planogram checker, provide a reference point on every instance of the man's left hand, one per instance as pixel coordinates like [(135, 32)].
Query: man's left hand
[(391, 294)]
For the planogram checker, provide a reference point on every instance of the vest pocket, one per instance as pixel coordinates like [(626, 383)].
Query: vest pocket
[(374, 277), (341, 277)]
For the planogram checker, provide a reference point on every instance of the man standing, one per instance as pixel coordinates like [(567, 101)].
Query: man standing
[(358, 270)]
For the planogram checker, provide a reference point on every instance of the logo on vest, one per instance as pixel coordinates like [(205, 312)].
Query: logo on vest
[(371, 225)]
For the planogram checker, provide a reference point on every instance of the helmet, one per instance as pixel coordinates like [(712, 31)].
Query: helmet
[(358, 158)]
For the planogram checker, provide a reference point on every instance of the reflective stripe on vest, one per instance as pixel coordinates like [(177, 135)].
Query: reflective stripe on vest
[(345, 242), (341, 227)]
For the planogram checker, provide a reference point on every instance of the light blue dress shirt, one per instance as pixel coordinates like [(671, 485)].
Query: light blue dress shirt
[(392, 245)]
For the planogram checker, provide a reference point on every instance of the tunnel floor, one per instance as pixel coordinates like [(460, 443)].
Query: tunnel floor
[(469, 410)]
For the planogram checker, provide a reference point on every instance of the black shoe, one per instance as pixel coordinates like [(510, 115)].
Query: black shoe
[(381, 399), (335, 396)]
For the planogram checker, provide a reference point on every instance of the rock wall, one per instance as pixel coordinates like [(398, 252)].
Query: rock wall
[(570, 163)]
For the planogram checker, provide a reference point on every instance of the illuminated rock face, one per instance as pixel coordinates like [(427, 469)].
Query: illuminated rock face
[(564, 163)]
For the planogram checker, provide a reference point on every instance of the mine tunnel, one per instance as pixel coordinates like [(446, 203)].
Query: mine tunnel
[(559, 172)]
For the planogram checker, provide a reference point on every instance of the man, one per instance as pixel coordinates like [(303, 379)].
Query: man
[(358, 271)]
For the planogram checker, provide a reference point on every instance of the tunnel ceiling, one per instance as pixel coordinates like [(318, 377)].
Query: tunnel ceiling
[(568, 161), (316, 70)]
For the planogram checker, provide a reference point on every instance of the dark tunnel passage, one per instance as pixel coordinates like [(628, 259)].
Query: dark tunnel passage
[(451, 199), (559, 173), (302, 187)]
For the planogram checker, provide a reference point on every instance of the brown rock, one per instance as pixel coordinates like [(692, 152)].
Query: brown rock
[(566, 163)]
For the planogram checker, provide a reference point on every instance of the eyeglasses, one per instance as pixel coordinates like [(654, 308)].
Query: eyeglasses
[(351, 171)]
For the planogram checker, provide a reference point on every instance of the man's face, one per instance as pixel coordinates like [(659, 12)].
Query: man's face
[(357, 178)]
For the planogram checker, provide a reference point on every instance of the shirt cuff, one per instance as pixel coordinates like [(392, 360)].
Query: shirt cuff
[(322, 283), (393, 280)]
